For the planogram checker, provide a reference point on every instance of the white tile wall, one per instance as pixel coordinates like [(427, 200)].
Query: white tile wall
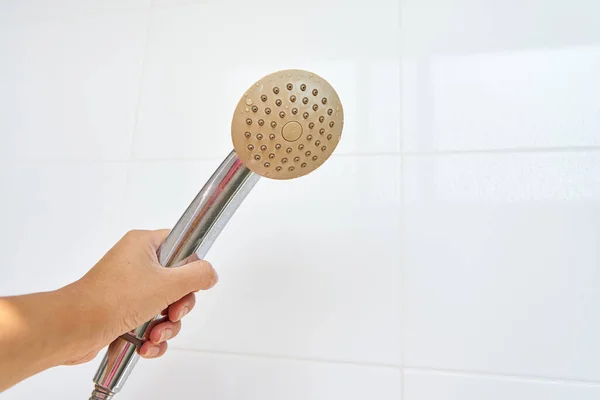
[(42, 9), (502, 264), (70, 86), (488, 26), (492, 100), (178, 2), (57, 221), (427, 385), (481, 75), (452, 240)]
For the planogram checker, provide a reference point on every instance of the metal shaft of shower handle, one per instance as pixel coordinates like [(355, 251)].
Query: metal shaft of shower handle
[(190, 239)]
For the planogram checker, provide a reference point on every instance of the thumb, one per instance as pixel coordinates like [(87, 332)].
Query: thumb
[(192, 277)]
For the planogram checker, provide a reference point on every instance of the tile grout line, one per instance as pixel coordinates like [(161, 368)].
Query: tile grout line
[(174, 5), (489, 375), (285, 357), (557, 150), (136, 115), (506, 151), (128, 164), (402, 384), (500, 376), (33, 17), (400, 147)]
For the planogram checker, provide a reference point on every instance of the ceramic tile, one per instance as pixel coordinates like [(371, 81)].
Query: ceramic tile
[(527, 99), (501, 263), (58, 221), (160, 191), (178, 2), (478, 75), (451, 386), (12, 9), (70, 87), (288, 284), (194, 77), (486, 26)]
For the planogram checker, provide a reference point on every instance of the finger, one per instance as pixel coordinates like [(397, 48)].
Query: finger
[(158, 237), (198, 275), (151, 350), (182, 307), (187, 260), (164, 331)]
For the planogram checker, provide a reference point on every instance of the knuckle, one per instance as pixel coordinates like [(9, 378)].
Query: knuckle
[(132, 321), (133, 235)]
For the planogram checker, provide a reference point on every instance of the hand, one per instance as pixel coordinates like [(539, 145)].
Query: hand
[(130, 287), (126, 288)]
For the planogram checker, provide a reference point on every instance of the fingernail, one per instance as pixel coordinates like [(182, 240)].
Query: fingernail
[(215, 278), (166, 335), (152, 351), (183, 312)]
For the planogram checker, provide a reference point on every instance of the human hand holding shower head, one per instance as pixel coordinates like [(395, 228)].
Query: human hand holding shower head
[(285, 126)]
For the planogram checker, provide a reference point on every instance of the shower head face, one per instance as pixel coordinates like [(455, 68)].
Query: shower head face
[(287, 124)]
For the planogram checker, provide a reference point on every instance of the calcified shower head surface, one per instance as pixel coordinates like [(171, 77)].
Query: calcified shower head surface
[(287, 124)]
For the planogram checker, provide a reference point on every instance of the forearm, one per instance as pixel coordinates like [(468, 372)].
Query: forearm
[(37, 332), (126, 288)]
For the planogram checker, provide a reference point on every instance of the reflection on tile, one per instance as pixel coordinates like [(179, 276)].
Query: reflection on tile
[(501, 263), (58, 221), (497, 75), (528, 99), (288, 284), (503, 179), (420, 385), (194, 77), (70, 87)]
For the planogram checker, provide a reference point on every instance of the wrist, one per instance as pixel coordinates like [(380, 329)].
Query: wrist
[(84, 322), (30, 335)]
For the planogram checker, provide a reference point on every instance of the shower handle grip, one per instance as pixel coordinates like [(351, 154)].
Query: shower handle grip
[(189, 240)]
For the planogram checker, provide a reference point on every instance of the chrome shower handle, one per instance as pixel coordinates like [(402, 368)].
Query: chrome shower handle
[(285, 126), (191, 237)]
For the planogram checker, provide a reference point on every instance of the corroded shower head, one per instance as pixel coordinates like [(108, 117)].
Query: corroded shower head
[(287, 124)]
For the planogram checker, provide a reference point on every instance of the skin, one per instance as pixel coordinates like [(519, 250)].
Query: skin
[(71, 325)]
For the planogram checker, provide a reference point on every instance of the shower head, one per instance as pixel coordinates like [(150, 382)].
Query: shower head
[(285, 126)]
